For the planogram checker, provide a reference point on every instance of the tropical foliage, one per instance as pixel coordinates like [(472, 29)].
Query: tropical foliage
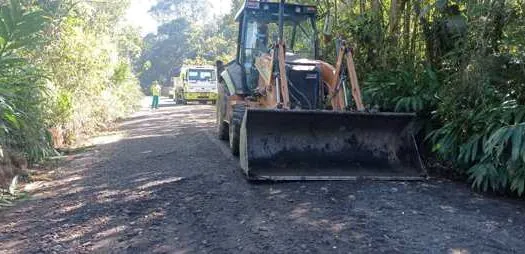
[(459, 64), (21, 87), (64, 71)]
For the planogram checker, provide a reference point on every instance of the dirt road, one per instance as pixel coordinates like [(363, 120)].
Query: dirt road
[(164, 184)]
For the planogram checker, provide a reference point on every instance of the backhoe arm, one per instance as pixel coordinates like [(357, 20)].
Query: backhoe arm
[(345, 56), (285, 96), (356, 90)]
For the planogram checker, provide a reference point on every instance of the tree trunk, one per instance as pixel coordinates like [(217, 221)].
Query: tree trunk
[(415, 34), (499, 23), (336, 14), (393, 17), (376, 6), (427, 33), (406, 25)]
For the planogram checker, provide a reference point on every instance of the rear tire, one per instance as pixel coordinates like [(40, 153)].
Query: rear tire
[(220, 111), (235, 128), (222, 130), (179, 99)]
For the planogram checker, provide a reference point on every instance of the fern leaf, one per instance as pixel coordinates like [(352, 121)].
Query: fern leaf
[(495, 139), (518, 185), (517, 139), (3, 28), (523, 153), (519, 116), (5, 14), (475, 149), (414, 103)]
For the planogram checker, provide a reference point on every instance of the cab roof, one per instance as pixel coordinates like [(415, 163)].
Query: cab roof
[(273, 7)]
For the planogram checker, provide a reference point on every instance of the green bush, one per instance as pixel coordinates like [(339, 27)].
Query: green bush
[(58, 70), (460, 65), (21, 92), (89, 70), (402, 90)]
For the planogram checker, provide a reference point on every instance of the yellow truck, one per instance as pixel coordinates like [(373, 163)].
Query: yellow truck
[(195, 83)]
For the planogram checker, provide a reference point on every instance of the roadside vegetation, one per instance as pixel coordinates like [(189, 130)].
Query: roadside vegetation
[(65, 72), (459, 64)]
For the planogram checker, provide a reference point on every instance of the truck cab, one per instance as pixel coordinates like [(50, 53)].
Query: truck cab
[(195, 83)]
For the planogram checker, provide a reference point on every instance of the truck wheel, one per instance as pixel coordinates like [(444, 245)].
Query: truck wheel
[(220, 111), (222, 130), (235, 128), (222, 127)]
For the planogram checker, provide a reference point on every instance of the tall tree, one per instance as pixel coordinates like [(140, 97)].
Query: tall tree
[(166, 51), (194, 10)]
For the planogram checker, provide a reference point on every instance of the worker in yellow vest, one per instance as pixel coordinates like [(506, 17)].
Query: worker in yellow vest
[(155, 91)]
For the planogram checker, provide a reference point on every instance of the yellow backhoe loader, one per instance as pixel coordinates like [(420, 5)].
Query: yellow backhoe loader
[(286, 113)]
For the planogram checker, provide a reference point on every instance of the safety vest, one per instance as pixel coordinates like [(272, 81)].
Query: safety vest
[(155, 90)]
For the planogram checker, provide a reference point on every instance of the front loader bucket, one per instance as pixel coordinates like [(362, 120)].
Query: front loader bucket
[(326, 145)]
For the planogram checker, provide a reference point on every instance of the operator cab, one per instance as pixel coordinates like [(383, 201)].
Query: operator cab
[(259, 29)]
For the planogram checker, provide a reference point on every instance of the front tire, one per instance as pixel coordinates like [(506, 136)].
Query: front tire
[(220, 111), (235, 128)]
